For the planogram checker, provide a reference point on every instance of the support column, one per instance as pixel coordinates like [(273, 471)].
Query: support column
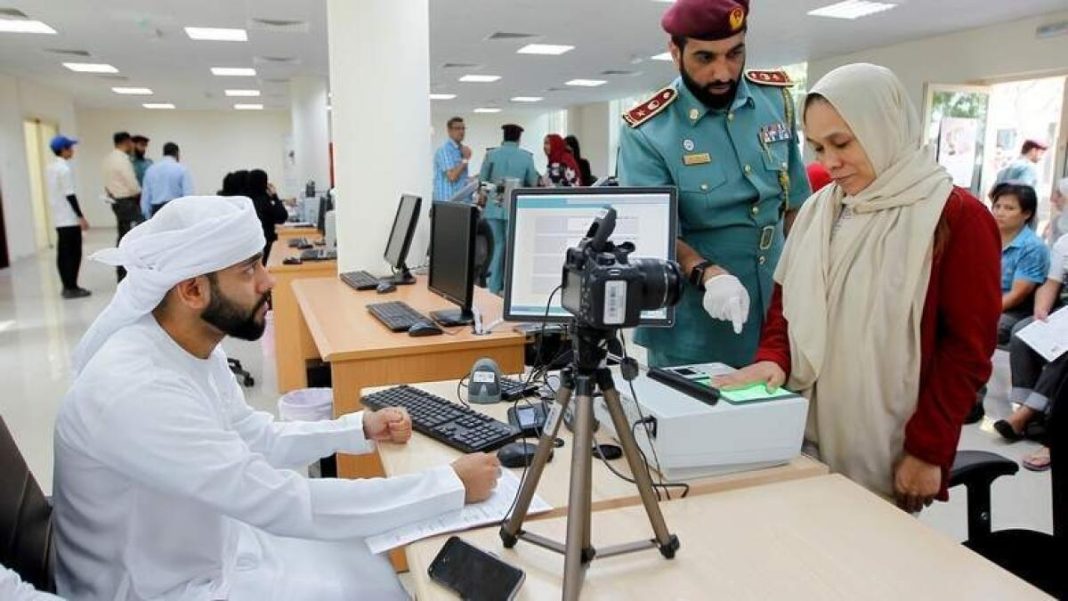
[(380, 119), (311, 131)]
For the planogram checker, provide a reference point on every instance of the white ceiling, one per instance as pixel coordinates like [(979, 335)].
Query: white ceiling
[(145, 41)]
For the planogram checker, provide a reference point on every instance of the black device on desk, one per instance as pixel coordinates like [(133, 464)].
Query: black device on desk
[(359, 280), (452, 259), (512, 389), (474, 574), (318, 254), (397, 315), (299, 243), (447, 422), (686, 381), (529, 418)]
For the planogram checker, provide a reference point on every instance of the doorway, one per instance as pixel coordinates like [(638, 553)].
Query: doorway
[(37, 134)]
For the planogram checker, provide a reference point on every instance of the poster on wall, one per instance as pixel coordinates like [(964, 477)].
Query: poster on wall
[(290, 185), (957, 139)]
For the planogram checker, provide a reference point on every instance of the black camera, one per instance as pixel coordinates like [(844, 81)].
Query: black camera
[(605, 290)]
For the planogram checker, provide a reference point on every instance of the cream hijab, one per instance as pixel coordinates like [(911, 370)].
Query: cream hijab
[(854, 306)]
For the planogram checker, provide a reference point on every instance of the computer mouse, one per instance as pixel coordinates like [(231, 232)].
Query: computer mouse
[(608, 451), (384, 287), (424, 328), (518, 454)]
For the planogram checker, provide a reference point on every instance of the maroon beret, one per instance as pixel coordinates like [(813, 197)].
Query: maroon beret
[(705, 19)]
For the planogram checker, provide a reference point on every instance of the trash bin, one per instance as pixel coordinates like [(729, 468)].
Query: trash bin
[(311, 405)]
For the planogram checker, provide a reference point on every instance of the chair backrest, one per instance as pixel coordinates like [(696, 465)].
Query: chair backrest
[(25, 518), (484, 244)]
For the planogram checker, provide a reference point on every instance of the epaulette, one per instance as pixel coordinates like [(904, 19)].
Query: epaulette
[(650, 108), (777, 78)]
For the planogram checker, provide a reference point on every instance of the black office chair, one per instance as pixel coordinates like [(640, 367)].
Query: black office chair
[(242, 374), (1033, 556), (484, 244), (25, 519)]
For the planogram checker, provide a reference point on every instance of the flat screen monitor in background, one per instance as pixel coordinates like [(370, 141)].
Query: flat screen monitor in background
[(400, 238), (545, 222), (452, 259), (326, 203)]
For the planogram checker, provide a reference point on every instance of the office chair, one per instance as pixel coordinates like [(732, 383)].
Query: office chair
[(1035, 557), (484, 244), (25, 519), (243, 375)]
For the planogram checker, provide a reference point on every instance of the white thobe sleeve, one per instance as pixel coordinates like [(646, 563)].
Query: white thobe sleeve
[(165, 434), (12, 588)]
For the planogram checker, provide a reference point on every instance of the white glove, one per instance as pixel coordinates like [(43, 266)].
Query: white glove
[(727, 299)]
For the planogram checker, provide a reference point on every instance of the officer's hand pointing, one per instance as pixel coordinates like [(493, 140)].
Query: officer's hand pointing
[(727, 299)]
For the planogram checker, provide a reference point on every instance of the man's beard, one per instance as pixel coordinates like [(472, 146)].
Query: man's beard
[(229, 318), (702, 93)]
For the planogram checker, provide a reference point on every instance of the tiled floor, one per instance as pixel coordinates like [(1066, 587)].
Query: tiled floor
[(38, 330)]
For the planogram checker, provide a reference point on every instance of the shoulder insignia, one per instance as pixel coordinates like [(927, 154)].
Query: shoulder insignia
[(777, 78), (650, 108)]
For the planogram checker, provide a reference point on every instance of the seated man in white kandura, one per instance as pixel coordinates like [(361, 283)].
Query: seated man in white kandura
[(169, 486)]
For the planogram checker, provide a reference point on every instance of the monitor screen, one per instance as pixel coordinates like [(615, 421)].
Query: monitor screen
[(400, 237), (545, 222), (326, 203), (452, 251)]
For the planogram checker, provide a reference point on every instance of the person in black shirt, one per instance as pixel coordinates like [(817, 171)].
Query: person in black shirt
[(269, 208), (584, 165)]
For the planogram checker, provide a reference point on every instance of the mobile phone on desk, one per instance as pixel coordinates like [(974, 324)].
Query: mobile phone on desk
[(474, 574)]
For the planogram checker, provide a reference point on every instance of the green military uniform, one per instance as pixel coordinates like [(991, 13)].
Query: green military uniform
[(736, 171), (507, 160)]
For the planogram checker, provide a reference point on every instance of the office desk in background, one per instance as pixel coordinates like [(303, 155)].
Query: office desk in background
[(293, 345), (809, 539), (362, 353), (288, 232), (608, 490)]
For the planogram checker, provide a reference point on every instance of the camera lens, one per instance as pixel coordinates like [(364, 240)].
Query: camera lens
[(663, 283)]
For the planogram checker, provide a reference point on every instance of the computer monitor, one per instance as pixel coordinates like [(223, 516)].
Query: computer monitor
[(545, 222), (452, 259), (326, 203), (400, 238)]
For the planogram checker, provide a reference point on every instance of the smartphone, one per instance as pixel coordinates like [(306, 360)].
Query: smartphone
[(474, 574)]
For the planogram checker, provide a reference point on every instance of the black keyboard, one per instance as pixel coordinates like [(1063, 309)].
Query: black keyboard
[(299, 243), (453, 424), (318, 254), (397, 315), (359, 280), (512, 389)]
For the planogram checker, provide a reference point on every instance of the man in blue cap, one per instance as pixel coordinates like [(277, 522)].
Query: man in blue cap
[(66, 216), (728, 142)]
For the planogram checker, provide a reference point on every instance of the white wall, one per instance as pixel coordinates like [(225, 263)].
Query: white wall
[(484, 132), (591, 124), (212, 144), (21, 100)]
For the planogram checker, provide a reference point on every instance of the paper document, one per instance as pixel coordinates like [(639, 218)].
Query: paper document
[(490, 511), (1048, 338)]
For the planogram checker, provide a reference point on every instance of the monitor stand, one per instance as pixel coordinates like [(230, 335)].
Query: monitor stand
[(453, 317), (402, 277)]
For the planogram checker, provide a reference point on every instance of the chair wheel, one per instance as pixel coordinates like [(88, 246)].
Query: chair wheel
[(249, 382)]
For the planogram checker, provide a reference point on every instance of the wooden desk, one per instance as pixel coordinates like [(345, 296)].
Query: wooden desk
[(609, 491), (363, 353), (293, 345), (288, 232), (815, 538)]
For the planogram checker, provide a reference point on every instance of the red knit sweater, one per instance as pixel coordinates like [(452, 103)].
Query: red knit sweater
[(958, 330)]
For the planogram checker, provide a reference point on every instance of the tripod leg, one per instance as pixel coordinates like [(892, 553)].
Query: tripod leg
[(511, 528), (578, 551), (667, 542)]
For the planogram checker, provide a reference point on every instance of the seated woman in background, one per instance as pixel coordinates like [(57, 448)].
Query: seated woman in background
[(1034, 380), (585, 173), (235, 183), (1024, 257), (269, 208), (886, 302), (562, 170)]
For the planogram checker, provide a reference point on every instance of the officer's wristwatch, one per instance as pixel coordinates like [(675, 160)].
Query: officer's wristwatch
[(697, 274)]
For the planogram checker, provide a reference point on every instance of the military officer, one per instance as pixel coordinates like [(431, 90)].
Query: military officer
[(729, 144), (506, 161)]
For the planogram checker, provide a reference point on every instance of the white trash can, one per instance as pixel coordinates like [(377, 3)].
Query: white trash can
[(309, 405)]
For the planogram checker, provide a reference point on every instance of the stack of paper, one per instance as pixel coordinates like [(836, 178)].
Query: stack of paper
[(1049, 338)]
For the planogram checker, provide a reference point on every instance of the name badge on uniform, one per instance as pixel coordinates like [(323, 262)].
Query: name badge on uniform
[(700, 158), (775, 132)]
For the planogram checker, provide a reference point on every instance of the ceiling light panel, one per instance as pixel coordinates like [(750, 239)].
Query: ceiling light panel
[(442, 96), (851, 9), (242, 92), (25, 26), (480, 78), (158, 105), (248, 107), (233, 71), (91, 67), (585, 83), (216, 34), (546, 49), (527, 99), (132, 91)]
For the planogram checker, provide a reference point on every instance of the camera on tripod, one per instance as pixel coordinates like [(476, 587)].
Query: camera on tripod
[(604, 289)]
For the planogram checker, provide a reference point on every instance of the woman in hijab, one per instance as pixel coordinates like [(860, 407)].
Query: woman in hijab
[(887, 295), (563, 170), (269, 209), (584, 165)]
